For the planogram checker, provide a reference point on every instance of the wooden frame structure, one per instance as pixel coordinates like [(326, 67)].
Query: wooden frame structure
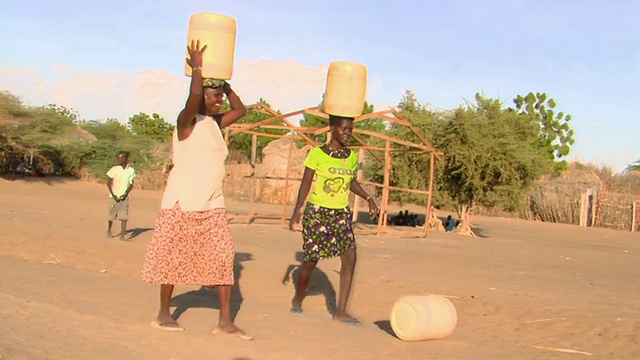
[(422, 146)]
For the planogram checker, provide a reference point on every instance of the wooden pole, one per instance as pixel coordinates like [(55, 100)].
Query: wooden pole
[(359, 176), (633, 216), (432, 165), (254, 182), (583, 206), (385, 187), (254, 149), (592, 204), (364, 145), (285, 193)]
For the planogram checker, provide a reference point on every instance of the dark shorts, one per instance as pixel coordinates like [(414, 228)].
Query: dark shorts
[(326, 232), (119, 210)]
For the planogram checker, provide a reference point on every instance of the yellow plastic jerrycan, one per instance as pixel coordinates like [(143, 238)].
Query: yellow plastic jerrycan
[(346, 89), (218, 32), (416, 318)]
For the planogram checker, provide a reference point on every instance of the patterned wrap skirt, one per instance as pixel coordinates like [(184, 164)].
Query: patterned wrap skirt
[(326, 232), (190, 248)]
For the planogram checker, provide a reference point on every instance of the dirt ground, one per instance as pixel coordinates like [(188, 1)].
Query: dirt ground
[(68, 292)]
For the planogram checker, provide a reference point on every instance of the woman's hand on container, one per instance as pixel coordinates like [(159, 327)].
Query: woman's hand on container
[(195, 54)]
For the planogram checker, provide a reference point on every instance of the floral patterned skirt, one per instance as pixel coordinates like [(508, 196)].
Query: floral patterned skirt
[(190, 248), (326, 232)]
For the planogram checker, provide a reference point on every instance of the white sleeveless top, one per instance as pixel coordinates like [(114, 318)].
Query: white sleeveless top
[(195, 181)]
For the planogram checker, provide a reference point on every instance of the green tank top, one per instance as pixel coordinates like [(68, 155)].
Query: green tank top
[(333, 178)]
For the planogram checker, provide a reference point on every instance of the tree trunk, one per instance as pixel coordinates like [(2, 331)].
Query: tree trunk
[(464, 227)]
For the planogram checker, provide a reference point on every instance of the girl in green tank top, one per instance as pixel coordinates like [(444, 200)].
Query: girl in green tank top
[(326, 220)]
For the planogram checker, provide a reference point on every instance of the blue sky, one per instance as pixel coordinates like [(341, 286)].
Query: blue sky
[(116, 58)]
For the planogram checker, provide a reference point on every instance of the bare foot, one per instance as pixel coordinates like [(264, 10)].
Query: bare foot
[(346, 319), (166, 322), (232, 330), (296, 305), (122, 237), (109, 235)]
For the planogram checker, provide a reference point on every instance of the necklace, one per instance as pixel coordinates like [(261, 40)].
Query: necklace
[(338, 153)]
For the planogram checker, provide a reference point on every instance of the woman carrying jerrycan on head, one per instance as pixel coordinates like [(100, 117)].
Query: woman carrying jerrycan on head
[(326, 220), (192, 243)]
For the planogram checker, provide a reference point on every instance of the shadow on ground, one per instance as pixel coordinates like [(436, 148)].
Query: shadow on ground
[(318, 285), (207, 296), (133, 233), (49, 180), (385, 325)]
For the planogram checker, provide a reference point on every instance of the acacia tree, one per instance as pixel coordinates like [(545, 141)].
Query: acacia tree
[(111, 129), (154, 126), (491, 154), (62, 110), (113, 136), (409, 170), (36, 129), (490, 157)]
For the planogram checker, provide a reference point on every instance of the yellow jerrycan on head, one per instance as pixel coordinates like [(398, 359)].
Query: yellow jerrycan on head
[(218, 32), (346, 89)]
